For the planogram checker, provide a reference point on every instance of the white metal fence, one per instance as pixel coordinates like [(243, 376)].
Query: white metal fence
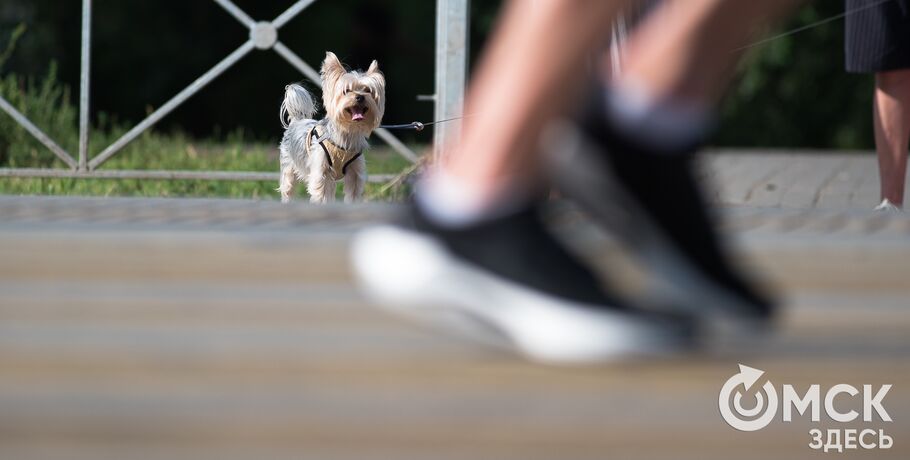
[(452, 20)]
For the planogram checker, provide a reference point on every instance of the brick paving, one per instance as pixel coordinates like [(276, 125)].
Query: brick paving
[(796, 180)]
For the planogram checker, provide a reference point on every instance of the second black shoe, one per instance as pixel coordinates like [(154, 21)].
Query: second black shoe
[(651, 200)]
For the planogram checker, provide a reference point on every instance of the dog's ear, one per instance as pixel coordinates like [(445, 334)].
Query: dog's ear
[(332, 69), (374, 67), (376, 75)]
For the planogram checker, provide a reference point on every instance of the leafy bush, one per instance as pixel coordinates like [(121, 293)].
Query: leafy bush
[(46, 103), (794, 92)]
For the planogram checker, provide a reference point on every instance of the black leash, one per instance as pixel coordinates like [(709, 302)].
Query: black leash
[(418, 126)]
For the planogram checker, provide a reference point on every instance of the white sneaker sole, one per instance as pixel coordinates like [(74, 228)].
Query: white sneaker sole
[(414, 275)]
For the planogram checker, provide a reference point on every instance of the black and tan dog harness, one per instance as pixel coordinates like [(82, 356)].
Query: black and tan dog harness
[(338, 158)]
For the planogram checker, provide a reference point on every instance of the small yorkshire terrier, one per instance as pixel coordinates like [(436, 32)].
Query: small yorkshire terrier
[(323, 152)]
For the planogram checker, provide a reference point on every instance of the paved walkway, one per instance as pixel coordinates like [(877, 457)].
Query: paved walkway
[(226, 329), (801, 180)]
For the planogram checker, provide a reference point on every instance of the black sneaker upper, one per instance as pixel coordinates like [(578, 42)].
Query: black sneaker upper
[(663, 184), (519, 248)]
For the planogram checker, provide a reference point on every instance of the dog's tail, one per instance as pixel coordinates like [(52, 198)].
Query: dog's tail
[(298, 105)]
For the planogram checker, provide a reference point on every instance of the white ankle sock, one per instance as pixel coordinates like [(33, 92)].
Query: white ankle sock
[(448, 202), (663, 125)]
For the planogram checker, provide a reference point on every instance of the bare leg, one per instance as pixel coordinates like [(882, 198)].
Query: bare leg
[(535, 64), (685, 50), (891, 115)]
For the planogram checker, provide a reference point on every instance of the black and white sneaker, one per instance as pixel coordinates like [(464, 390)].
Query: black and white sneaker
[(652, 202), (511, 276)]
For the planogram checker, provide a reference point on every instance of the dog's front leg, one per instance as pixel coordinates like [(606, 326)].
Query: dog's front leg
[(355, 180), (320, 188), (319, 185)]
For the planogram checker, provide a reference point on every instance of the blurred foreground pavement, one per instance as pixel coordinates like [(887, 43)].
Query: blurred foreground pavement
[(218, 329)]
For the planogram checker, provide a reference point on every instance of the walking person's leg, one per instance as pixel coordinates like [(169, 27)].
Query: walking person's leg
[(533, 70), (687, 49), (474, 241), (891, 115), (877, 41)]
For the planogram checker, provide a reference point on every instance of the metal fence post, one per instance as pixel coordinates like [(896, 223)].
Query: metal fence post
[(451, 69), (84, 83)]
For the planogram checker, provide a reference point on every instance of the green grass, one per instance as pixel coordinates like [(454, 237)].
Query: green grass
[(156, 151)]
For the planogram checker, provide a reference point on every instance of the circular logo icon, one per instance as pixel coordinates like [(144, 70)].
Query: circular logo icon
[(752, 418)]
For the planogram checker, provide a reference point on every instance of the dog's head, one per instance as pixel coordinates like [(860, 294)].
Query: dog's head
[(354, 101)]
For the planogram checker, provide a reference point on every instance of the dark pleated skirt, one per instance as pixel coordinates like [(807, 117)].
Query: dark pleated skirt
[(877, 35)]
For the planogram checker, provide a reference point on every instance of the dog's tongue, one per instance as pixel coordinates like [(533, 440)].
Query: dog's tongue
[(356, 114)]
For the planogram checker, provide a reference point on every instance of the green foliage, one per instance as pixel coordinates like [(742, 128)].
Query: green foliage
[(47, 104), (794, 92), (43, 101), (16, 34)]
